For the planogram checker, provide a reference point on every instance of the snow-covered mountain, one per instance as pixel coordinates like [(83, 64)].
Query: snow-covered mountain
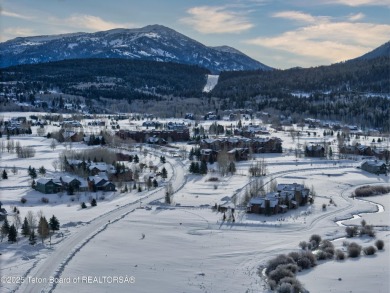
[(154, 42)]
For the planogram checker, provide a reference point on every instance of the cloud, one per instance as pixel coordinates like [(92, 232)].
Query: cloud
[(356, 17), (15, 15), (216, 20), (299, 16), (355, 3), (10, 33), (90, 22), (331, 42)]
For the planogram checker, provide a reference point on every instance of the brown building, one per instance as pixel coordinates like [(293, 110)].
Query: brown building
[(161, 135)]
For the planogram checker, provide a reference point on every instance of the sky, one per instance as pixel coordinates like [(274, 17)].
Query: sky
[(278, 33)]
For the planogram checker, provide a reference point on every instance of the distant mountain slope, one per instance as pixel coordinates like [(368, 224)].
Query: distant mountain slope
[(382, 51), (154, 42), (111, 78)]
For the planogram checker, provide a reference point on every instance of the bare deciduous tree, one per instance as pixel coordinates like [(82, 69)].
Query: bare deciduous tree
[(31, 220)]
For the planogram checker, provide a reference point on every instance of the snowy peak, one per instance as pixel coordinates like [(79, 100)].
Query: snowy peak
[(153, 42)]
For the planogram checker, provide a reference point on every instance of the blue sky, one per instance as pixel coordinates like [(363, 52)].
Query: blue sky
[(279, 33)]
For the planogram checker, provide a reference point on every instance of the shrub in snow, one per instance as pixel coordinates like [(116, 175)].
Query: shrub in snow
[(351, 231), (315, 240), (329, 251), (304, 263), (291, 267), (83, 205), (296, 287), (324, 206), (379, 244), (295, 255), (23, 200), (44, 200), (311, 257), (354, 249), (321, 255), (369, 250), (326, 244), (303, 245), (93, 203), (280, 273), (272, 284), (340, 255), (281, 259), (367, 230), (285, 288)]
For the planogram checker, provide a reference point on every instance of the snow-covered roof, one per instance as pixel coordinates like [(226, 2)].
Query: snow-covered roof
[(44, 181), (68, 179)]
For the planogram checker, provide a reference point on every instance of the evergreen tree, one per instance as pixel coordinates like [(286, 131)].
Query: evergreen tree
[(4, 175), (93, 203), (4, 229), (203, 167), (33, 173), (232, 167), (32, 239), (136, 159), (155, 183), (197, 153), (12, 234), (162, 160), (42, 170), (54, 224), (191, 155), (83, 205), (25, 228), (211, 159), (149, 183), (192, 167), (43, 228), (164, 173)]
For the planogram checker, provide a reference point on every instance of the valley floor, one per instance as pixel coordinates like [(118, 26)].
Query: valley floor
[(132, 242)]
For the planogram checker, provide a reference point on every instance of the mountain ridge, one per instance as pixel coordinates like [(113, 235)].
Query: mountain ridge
[(153, 42)]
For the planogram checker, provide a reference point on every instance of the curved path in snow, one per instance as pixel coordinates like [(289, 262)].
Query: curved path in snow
[(63, 252)]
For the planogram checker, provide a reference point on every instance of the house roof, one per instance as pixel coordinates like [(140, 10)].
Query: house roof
[(374, 163), (98, 179), (314, 147), (290, 187), (68, 179), (44, 181)]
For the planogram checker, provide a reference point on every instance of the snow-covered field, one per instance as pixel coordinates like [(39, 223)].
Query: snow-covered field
[(131, 242)]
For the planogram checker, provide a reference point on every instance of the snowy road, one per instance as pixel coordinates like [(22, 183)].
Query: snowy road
[(53, 265)]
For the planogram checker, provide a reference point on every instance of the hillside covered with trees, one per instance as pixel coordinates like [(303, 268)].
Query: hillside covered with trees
[(111, 78), (349, 92), (352, 76)]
